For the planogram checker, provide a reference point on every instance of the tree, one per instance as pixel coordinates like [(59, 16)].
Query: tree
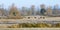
[(14, 13), (42, 9)]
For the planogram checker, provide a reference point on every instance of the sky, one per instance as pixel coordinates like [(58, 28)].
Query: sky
[(28, 3)]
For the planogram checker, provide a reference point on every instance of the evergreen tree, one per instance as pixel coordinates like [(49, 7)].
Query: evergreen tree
[(42, 11)]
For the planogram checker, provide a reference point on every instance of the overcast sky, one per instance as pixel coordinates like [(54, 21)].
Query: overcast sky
[(28, 3)]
